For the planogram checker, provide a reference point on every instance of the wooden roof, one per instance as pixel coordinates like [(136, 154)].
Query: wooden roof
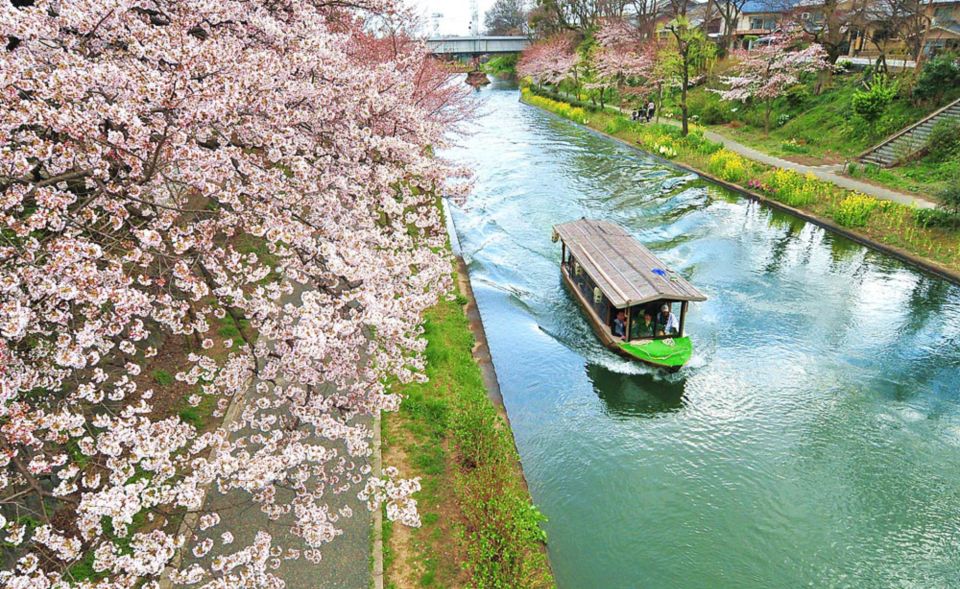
[(627, 272)]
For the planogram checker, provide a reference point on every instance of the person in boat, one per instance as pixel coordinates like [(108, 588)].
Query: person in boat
[(643, 329), (620, 325), (667, 323)]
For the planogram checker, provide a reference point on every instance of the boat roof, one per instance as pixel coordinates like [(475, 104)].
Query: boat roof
[(627, 272)]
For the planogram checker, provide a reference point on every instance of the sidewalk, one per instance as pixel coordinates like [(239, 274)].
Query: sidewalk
[(829, 173), (346, 560)]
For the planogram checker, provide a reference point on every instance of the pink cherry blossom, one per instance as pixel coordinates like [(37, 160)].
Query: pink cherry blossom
[(165, 165)]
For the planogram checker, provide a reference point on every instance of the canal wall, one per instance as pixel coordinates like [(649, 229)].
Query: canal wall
[(924, 264)]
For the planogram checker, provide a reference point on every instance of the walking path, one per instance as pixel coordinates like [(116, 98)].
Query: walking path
[(829, 172), (346, 561)]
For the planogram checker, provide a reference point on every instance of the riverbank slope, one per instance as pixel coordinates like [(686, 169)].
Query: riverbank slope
[(480, 528)]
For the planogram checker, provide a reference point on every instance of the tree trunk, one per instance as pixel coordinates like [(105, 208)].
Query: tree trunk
[(766, 117), (659, 100), (683, 94)]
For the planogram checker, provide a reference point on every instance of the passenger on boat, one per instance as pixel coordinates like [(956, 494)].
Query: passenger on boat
[(620, 325), (643, 329), (667, 323)]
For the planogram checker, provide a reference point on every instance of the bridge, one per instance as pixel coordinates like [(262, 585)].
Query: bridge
[(473, 46)]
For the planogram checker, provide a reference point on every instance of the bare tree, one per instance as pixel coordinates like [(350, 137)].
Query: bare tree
[(552, 15), (831, 23), (507, 17), (729, 12)]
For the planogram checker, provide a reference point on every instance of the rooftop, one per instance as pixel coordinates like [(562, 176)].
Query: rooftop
[(627, 272)]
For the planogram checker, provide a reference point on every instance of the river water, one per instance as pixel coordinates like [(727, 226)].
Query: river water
[(813, 440)]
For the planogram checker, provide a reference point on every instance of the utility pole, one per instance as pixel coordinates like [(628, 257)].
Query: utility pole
[(474, 19)]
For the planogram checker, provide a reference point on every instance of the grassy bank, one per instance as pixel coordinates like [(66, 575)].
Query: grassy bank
[(480, 528), (916, 232)]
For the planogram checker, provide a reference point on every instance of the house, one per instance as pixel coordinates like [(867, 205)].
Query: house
[(759, 18), (944, 31)]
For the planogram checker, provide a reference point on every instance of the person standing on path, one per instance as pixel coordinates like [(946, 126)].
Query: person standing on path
[(651, 108)]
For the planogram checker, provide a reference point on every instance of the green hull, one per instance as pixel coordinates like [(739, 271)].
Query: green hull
[(660, 353)]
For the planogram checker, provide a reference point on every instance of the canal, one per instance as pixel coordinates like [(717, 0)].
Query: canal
[(814, 439)]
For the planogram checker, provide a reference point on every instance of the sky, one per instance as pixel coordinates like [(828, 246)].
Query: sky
[(456, 14)]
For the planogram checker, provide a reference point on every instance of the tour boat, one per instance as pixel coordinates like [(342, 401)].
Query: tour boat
[(609, 273)]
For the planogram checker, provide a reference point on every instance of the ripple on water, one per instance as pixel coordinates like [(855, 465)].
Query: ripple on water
[(813, 439)]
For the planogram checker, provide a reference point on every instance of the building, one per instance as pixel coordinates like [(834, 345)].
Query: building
[(944, 32)]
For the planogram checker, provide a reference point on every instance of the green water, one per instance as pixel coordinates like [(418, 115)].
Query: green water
[(812, 441)]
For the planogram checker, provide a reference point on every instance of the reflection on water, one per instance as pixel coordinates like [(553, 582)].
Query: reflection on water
[(813, 439), (636, 395)]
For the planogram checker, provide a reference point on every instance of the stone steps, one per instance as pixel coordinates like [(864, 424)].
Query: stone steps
[(911, 140)]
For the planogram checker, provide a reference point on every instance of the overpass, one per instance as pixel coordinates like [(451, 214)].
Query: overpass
[(475, 46)]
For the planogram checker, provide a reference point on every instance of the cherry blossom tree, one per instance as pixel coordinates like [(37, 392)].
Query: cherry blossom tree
[(550, 61), (769, 71), (624, 58), (167, 165)]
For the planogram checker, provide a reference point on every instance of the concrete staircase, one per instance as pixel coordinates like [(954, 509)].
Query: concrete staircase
[(910, 140)]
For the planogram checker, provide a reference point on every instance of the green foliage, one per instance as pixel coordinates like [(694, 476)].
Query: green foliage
[(937, 76), (950, 197), (728, 165), (928, 218), (855, 210), (502, 65), (565, 110), (192, 416), (944, 140), (162, 377), (872, 103), (462, 438), (794, 189)]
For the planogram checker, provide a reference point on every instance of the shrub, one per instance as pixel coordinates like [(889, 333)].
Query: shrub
[(937, 76), (944, 140), (791, 188), (855, 210), (871, 103), (950, 198), (574, 113), (927, 218), (617, 124), (727, 165), (798, 95), (714, 114)]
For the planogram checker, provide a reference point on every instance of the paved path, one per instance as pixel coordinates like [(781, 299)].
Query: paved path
[(346, 561), (830, 172)]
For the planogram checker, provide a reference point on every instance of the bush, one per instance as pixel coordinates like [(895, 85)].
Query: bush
[(927, 218), (791, 188), (950, 198), (727, 165), (617, 124), (714, 114), (871, 103), (565, 110), (937, 76), (798, 95), (944, 140), (855, 210)]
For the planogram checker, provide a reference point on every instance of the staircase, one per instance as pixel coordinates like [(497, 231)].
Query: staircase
[(910, 140)]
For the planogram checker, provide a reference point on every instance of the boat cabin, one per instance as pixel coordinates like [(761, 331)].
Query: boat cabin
[(623, 289)]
